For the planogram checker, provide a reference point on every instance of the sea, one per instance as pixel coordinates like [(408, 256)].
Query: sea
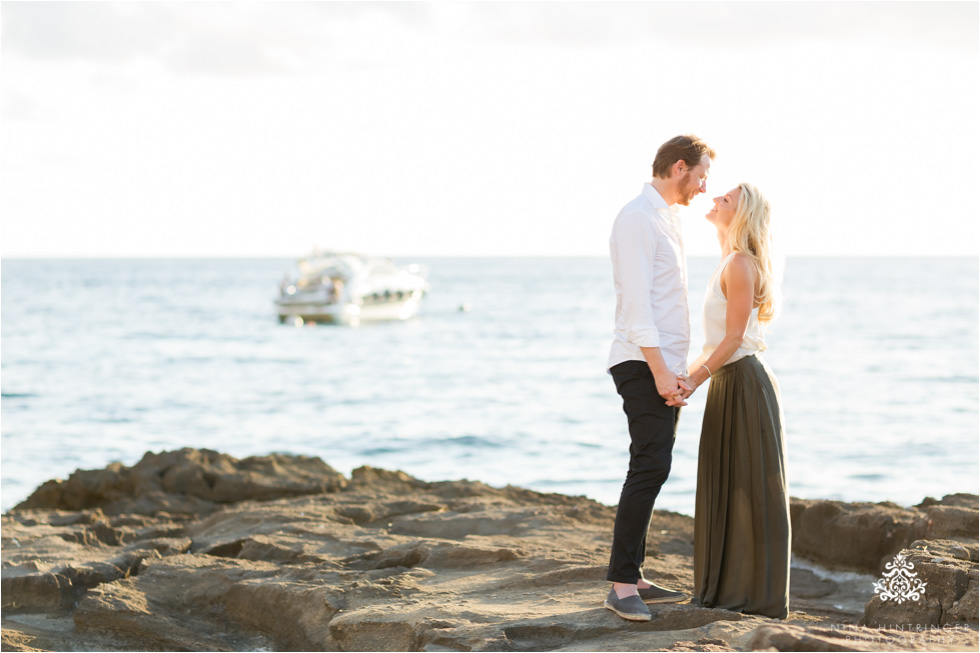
[(500, 378)]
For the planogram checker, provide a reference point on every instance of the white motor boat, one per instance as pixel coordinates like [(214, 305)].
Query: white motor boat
[(350, 289)]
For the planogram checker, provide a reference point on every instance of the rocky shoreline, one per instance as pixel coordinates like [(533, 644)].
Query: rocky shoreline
[(196, 550)]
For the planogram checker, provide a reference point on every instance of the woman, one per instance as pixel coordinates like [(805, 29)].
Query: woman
[(741, 521)]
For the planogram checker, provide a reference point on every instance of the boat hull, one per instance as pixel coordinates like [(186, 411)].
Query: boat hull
[(349, 313)]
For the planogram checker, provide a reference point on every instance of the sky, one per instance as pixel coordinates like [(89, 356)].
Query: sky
[(172, 129)]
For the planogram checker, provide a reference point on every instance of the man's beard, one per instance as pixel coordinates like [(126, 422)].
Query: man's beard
[(687, 194)]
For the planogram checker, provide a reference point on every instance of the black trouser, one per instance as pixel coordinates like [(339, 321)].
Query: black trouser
[(653, 428)]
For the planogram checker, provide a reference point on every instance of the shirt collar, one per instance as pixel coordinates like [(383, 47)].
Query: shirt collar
[(656, 200)]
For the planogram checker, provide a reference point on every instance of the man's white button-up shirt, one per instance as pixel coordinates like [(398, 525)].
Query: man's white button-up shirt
[(650, 275)]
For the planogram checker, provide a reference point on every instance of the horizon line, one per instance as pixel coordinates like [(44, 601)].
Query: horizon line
[(171, 257)]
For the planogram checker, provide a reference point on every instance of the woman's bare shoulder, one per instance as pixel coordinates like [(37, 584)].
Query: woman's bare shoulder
[(740, 269)]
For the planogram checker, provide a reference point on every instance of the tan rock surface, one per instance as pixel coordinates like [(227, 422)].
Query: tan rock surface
[(188, 481), (789, 637), (948, 570), (863, 536), (380, 562)]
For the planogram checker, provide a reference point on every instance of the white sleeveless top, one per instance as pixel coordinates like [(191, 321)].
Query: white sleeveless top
[(715, 309)]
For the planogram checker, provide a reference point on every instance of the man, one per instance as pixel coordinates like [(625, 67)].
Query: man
[(648, 358)]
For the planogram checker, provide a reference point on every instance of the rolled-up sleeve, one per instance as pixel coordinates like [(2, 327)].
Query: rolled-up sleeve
[(634, 246)]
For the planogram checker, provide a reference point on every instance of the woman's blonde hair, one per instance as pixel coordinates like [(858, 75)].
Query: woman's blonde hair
[(750, 234)]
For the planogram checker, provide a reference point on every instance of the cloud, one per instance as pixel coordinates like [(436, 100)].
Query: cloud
[(222, 54), (75, 30), (224, 38), (17, 106), (415, 14), (268, 37), (741, 25)]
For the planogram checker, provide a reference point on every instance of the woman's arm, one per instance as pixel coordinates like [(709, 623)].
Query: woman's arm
[(738, 282)]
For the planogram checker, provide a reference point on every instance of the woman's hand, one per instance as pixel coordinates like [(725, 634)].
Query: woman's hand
[(684, 390), (668, 386)]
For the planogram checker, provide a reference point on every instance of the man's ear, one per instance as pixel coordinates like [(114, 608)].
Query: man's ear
[(678, 167)]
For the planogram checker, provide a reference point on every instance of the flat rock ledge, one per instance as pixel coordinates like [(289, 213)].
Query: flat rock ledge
[(195, 550)]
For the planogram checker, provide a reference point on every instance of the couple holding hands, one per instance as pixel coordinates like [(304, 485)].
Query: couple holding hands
[(741, 521)]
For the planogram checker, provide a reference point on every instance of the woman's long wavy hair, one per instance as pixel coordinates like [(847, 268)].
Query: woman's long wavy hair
[(750, 234)]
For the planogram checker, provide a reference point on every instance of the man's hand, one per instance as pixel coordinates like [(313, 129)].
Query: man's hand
[(674, 389), (689, 386), (670, 386), (684, 390)]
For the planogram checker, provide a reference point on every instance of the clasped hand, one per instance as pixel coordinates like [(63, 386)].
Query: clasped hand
[(677, 390)]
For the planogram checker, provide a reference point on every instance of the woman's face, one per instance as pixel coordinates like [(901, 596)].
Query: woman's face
[(724, 210)]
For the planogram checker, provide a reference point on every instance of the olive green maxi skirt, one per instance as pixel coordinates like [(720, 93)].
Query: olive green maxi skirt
[(741, 519)]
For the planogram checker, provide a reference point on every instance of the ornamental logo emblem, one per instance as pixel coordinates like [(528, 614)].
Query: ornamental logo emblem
[(899, 582)]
